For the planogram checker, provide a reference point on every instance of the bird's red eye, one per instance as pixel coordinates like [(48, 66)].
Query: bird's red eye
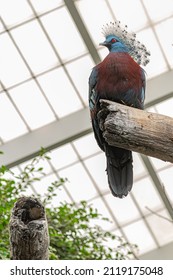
[(113, 40)]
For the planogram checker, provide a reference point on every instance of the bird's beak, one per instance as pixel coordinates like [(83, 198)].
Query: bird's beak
[(104, 44)]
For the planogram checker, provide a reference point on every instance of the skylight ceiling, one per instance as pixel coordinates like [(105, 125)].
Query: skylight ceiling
[(40, 42), (44, 70)]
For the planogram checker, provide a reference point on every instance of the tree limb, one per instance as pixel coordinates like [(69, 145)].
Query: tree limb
[(137, 130)]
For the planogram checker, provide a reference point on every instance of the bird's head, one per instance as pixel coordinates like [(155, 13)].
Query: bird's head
[(118, 39), (114, 44)]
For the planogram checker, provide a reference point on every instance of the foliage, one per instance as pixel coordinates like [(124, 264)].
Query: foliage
[(72, 230)]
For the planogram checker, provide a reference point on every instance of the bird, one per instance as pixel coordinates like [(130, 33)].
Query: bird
[(119, 78)]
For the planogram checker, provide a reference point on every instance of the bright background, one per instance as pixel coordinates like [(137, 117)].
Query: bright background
[(47, 51)]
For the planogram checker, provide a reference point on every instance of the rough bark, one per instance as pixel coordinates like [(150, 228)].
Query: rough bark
[(29, 239), (137, 130)]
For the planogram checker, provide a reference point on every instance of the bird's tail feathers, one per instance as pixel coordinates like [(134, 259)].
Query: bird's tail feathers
[(119, 170)]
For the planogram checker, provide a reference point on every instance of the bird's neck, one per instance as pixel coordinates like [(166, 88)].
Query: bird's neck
[(118, 63), (118, 49)]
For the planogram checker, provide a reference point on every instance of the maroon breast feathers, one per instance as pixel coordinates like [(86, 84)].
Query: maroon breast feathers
[(118, 73)]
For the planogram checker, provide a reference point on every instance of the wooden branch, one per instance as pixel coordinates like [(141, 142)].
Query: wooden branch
[(29, 238), (137, 130)]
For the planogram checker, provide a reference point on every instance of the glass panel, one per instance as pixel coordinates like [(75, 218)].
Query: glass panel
[(115, 243), (62, 197), (159, 163), (64, 34), (11, 125), (96, 166), (63, 156), (102, 209), (39, 54), (15, 11), (146, 195), (79, 185), (138, 167), (103, 52), (95, 14), (165, 107), (124, 209), (12, 68), (162, 228), (60, 92), (29, 191), (42, 185), (84, 67), (1, 26), (1, 87), (153, 68), (10, 176), (32, 105), (15, 170), (42, 163), (159, 10), (166, 177), (124, 11), (46, 5), (139, 234), (166, 40), (86, 145)]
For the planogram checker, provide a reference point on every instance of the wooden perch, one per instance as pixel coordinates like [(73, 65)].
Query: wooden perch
[(137, 130), (29, 238)]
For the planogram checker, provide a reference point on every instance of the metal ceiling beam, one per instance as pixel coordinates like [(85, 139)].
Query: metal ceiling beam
[(82, 30), (50, 136), (72, 126)]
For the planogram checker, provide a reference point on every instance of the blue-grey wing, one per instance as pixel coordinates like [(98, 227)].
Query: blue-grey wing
[(142, 92), (93, 97), (94, 107)]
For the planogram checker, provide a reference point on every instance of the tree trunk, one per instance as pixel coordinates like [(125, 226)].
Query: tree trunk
[(29, 239), (137, 130)]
